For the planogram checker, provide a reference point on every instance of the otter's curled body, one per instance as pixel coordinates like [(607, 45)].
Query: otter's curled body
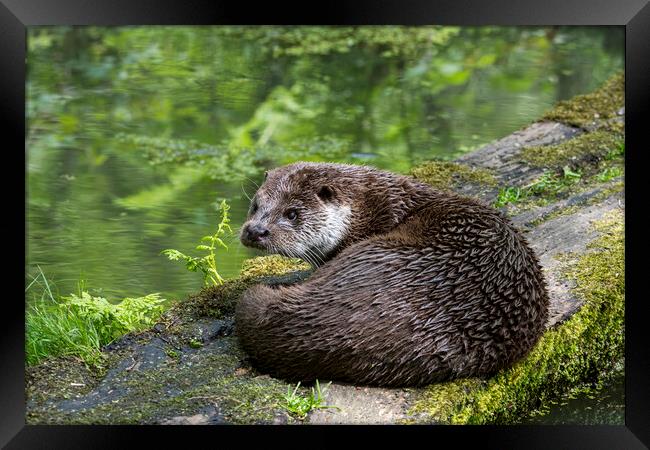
[(423, 286)]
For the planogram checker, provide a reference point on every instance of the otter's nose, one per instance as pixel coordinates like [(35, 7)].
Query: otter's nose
[(255, 232)]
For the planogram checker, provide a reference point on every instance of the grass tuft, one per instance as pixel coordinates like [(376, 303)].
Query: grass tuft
[(299, 406), (80, 324)]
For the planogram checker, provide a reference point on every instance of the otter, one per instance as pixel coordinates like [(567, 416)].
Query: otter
[(411, 285)]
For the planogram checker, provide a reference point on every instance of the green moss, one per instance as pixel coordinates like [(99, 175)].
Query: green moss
[(59, 378), (609, 173), (172, 353), (599, 106), (613, 188), (271, 265), (245, 400), (578, 351), (180, 388), (583, 150), (214, 301), (195, 343), (444, 174)]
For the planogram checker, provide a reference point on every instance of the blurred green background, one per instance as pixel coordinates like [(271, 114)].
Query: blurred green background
[(135, 133)]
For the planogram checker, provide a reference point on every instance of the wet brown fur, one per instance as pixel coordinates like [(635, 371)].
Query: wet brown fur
[(424, 286)]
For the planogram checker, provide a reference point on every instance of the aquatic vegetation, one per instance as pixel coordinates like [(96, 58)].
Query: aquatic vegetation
[(388, 41), (206, 264), (80, 324), (299, 405), (160, 196)]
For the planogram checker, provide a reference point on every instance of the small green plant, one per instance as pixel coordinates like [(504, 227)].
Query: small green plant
[(509, 194), (299, 406), (609, 173), (80, 324), (206, 264), (549, 183), (195, 343), (615, 153), (172, 353)]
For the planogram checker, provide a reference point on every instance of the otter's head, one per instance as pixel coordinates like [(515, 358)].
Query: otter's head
[(298, 212)]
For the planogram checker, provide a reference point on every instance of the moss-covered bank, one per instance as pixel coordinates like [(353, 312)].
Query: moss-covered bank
[(187, 363), (580, 352), (597, 109)]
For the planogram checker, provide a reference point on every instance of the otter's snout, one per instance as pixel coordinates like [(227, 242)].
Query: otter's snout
[(254, 234)]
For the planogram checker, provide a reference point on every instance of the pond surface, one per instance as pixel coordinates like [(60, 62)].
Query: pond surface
[(606, 407), (135, 133)]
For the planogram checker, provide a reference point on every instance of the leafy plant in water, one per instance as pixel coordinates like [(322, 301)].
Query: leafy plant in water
[(206, 264), (299, 406)]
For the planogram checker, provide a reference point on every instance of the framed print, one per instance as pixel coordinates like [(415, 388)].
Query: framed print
[(373, 215)]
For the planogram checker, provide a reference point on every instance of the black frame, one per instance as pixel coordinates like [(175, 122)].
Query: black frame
[(16, 15)]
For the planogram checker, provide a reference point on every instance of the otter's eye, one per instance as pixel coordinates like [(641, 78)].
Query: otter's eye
[(254, 207), (291, 214)]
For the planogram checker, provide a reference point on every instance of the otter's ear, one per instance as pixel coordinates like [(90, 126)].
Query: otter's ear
[(326, 193), (266, 174)]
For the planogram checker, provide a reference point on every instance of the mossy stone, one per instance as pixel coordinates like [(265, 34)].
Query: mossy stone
[(445, 174), (586, 111), (584, 150)]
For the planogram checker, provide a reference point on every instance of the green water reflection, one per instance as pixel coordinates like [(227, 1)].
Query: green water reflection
[(605, 407), (134, 133)]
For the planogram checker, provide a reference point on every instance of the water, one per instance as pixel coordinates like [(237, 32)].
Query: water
[(606, 407), (135, 133)]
